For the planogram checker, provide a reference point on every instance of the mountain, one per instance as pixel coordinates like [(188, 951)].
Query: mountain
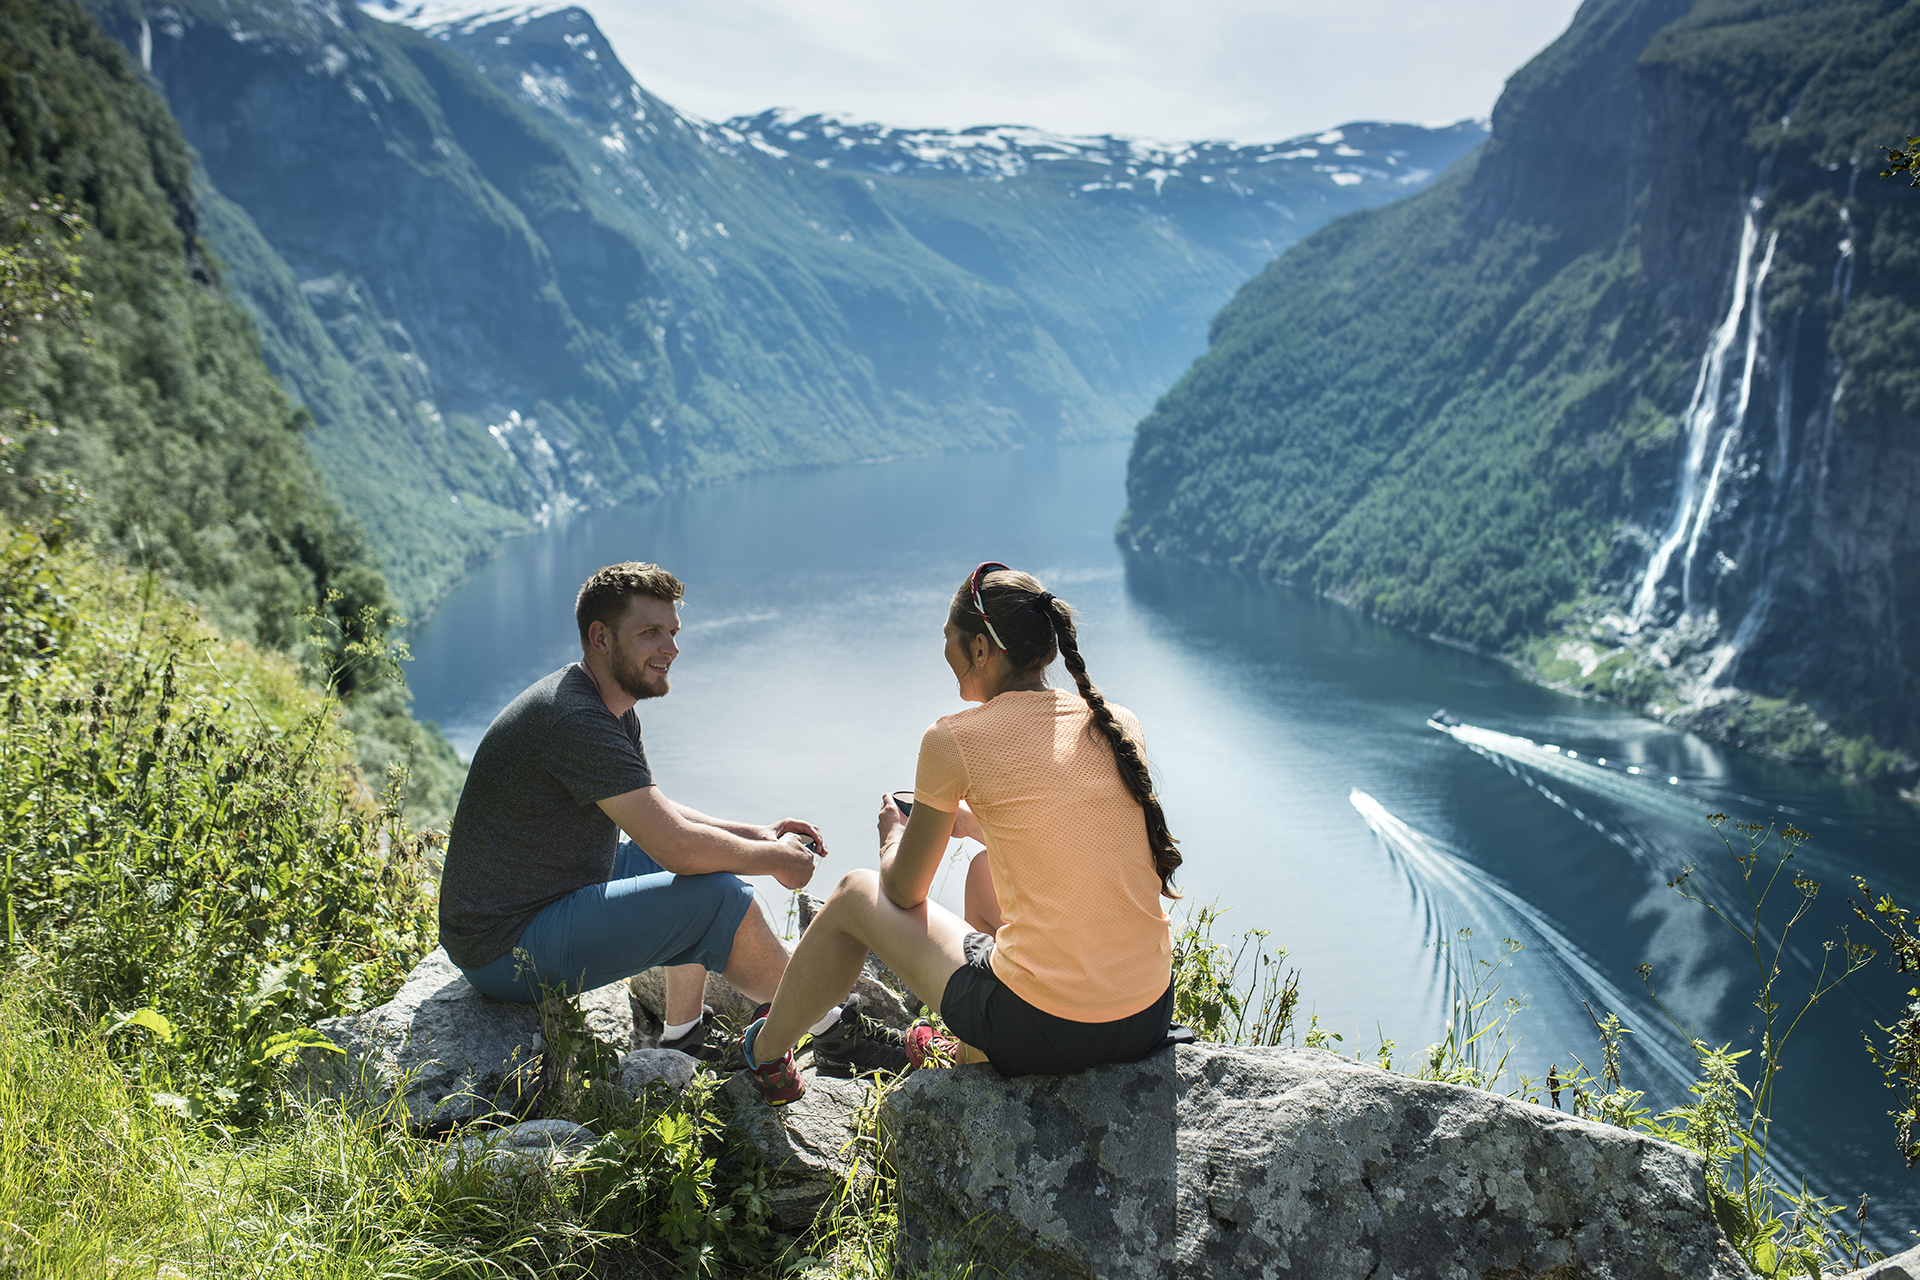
[(508, 282), (159, 411), (1628, 395)]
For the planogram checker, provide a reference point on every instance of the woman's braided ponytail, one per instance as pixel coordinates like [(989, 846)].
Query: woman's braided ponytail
[(1035, 626), (1126, 751)]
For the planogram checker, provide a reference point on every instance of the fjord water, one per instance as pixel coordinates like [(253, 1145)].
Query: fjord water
[(1291, 745)]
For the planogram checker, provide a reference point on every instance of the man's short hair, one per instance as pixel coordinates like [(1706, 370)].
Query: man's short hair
[(604, 597)]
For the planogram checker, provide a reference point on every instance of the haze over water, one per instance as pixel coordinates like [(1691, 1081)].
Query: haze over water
[(1290, 745)]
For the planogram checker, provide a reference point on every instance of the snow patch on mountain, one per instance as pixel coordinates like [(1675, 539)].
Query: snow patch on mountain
[(1367, 152), (465, 15)]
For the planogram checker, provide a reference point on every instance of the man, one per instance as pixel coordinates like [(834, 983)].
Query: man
[(540, 889)]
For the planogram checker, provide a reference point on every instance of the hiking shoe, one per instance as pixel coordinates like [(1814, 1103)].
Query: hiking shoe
[(779, 1081), (694, 1043), (858, 1045), (926, 1047)]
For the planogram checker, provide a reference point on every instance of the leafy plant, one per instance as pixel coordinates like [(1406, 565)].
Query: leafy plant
[(677, 1175), (182, 855), (1903, 160), (1780, 1230), (1211, 995), (1478, 1043), (40, 266), (1899, 1059)]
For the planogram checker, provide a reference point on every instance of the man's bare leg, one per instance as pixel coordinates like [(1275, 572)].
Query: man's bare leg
[(759, 958), (686, 985)]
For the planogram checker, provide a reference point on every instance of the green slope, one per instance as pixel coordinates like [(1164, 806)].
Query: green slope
[(191, 454), (185, 452), (1467, 413)]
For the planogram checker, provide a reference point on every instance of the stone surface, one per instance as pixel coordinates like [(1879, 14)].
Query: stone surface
[(642, 1067), (449, 1052), (810, 1144), (1901, 1266), (517, 1151), (1214, 1161)]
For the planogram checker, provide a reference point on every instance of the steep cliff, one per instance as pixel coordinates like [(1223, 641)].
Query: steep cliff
[(508, 281), (1626, 395)]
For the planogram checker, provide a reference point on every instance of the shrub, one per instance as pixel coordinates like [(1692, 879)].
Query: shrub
[(187, 855)]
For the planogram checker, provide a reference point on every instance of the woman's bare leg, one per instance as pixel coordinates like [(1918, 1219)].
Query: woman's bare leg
[(923, 945)]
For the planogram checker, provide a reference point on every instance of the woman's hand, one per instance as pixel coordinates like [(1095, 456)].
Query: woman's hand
[(911, 849), (892, 822), (966, 826)]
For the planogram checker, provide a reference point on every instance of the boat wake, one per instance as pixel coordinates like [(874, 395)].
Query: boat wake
[(1453, 893)]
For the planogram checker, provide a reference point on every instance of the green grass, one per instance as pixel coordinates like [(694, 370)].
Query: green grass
[(96, 1180)]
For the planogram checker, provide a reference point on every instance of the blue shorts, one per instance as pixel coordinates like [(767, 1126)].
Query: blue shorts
[(642, 917)]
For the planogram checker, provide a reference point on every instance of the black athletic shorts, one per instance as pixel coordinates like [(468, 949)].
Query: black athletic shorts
[(1021, 1040)]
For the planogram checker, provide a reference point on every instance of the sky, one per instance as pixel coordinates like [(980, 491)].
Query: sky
[(1246, 70)]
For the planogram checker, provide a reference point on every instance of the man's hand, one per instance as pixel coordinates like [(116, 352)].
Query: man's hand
[(797, 827), (798, 868), (688, 843)]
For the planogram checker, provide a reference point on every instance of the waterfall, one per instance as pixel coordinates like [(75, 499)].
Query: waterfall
[(1703, 418), (1756, 329)]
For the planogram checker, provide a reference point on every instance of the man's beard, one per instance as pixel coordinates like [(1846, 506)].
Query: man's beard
[(632, 677)]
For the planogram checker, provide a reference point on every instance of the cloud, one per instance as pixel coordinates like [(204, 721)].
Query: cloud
[(1220, 68)]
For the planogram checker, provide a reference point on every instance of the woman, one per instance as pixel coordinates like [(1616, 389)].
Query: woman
[(1056, 786)]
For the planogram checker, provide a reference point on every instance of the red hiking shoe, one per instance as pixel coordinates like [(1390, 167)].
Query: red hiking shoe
[(928, 1048), (779, 1081)]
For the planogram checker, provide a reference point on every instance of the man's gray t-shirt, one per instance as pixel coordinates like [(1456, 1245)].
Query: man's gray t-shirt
[(529, 829)]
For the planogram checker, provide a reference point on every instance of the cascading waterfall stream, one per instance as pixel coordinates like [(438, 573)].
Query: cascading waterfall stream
[(1703, 511), (1703, 417)]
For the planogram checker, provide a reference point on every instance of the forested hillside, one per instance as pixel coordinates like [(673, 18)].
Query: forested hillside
[(1629, 394), (192, 458), (144, 420), (508, 282)]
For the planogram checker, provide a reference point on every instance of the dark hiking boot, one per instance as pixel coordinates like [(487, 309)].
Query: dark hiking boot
[(694, 1043), (858, 1045)]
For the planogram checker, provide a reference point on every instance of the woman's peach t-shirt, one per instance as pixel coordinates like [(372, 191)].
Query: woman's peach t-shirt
[(1084, 936)]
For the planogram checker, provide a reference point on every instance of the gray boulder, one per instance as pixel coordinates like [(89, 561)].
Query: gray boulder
[(811, 1145), (518, 1151), (1213, 1161), (1901, 1266), (642, 1067), (445, 1051)]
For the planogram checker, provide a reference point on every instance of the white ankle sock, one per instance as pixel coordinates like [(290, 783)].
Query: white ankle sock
[(820, 1027), (675, 1030)]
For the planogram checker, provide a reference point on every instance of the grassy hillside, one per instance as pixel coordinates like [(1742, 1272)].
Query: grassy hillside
[(146, 424), (1466, 413), (191, 454)]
